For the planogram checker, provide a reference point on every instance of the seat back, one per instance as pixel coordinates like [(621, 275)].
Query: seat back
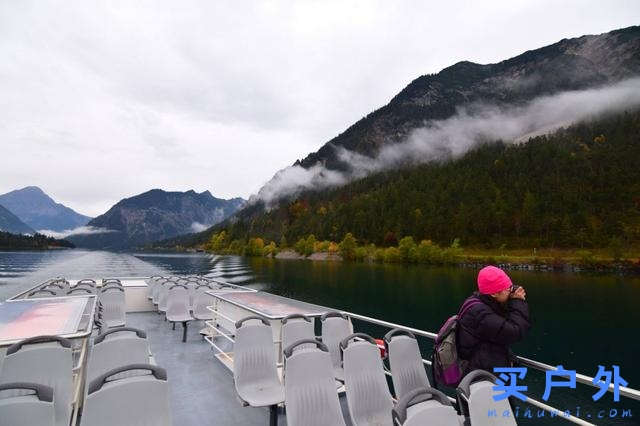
[(365, 383), (151, 284), (335, 327), (191, 287), (43, 292), (155, 291), (177, 301), (107, 281), (201, 302), (115, 348), (310, 392), (45, 360), (57, 288), (254, 360), (296, 327), (86, 281), (152, 280), (92, 288), (407, 369), (19, 409), (113, 306), (475, 398), (163, 295), (141, 400), (79, 291), (425, 406)]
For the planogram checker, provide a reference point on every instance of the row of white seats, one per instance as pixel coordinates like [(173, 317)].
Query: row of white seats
[(111, 299), (311, 369), (123, 386), (61, 287), (183, 299)]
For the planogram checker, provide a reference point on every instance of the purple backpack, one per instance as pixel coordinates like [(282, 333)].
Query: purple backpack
[(447, 366)]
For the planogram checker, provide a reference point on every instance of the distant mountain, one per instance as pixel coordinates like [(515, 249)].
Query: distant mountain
[(11, 223), (39, 211), (156, 215), (570, 64)]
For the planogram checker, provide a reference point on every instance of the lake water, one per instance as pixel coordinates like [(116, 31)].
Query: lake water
[(579, 321)]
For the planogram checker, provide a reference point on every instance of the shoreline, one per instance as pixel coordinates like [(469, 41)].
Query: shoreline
[(570, 265)]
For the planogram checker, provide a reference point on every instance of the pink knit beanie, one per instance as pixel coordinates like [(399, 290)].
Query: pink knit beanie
[(492, 280)]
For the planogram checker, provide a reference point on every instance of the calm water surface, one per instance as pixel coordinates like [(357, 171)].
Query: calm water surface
[(579, 321)]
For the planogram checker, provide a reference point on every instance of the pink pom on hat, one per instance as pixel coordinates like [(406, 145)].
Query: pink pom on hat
[(492, 280)]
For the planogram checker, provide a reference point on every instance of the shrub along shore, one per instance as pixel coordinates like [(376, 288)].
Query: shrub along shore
[(426, 252)]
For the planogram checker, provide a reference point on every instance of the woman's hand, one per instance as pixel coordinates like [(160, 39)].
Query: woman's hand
[(519, 293)]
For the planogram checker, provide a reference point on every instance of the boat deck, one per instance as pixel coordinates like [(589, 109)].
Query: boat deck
[(201, 387)]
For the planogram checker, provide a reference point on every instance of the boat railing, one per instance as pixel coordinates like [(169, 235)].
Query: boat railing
[(540, 366), (581, 378)]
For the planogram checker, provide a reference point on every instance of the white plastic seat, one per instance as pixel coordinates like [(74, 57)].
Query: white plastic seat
[(107, 281), (407, 370), (201, 302), (151, 284), (296, 327), (368, 395), (115, 348), (191, 288), (163, 295), (311, 398), (43, 292), (335, 327), (178, 307), (140, 400), (152, 279), (45, 360), (113, 306), (254, 368), (19, 409), (92, 288), (87, 281), (58, 288), (81, 291), (155, 292), (425, 406), (475, 398)]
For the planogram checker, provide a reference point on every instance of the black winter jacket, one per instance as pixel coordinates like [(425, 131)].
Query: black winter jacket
[(486, 330)]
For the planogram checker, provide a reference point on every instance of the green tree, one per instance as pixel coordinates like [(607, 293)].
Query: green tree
[(428, 252), (348, 247), (407, 248), (255, 247), (283, 243), (309, 245)]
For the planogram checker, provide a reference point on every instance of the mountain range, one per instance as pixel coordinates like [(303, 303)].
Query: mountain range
[(41, 212), (155, 215)]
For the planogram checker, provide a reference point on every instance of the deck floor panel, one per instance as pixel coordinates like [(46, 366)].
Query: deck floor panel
[(202, 390)]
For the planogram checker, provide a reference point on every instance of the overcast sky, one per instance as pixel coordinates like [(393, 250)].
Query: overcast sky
[(104, 100)]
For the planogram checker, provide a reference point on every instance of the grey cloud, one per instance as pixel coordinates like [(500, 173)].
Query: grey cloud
[(104, 100), (81, 230), (450, 138)]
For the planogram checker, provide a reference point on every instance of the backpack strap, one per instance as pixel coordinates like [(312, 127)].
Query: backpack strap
[(468, 304)]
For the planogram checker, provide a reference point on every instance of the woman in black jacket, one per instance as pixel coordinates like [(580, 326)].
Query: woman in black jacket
[(497, 318)]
